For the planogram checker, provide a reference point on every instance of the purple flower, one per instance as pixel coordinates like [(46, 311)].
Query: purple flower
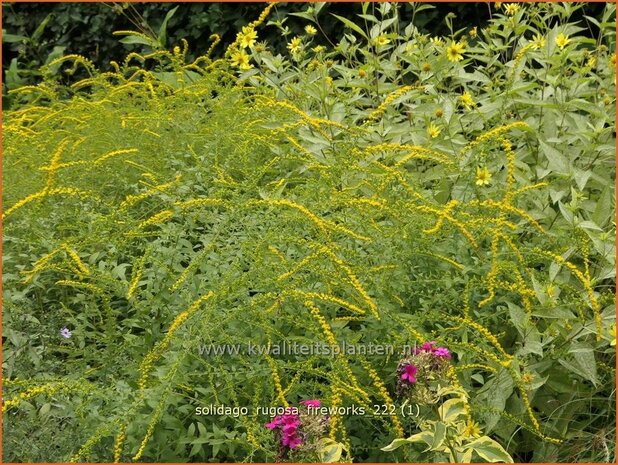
[(65, 332), (409, 373), (442, 352), (311, 403)]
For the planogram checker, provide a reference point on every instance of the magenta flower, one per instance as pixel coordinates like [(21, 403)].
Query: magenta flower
[(311, 403), (288, 423), (428, 346), (409, 373), (275, 423), (442, 352), (291, 440)]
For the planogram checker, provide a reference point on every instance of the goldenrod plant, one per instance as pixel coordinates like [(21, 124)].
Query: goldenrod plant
[(413, 233)]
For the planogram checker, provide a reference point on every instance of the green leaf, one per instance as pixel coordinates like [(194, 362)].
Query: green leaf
[(162, 37), (10, 38), (450, 410), (36, 35), (556, 161), (131, 39), (438, 436), (351, 25), (423, 436), (329, 451), (489, 450)]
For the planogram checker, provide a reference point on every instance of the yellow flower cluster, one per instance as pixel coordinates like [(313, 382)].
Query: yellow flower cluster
[(379, 384), (378, 112), (61, 191), (326, 329), (158, 350), (276, 379), (118, 443), (151, 426)]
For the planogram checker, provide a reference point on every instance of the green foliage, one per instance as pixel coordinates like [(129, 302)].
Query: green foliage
[(450, 438), (391, 189)]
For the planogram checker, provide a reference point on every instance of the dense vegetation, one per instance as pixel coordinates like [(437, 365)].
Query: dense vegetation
[(452, 194)]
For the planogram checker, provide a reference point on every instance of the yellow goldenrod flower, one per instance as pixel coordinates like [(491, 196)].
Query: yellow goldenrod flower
[(562, 40), (454, 51), (241, 60), (309, 29), (381, 40), (437, 41), (473, 32), (538, 41), (551, 291), (247, 37), (483, 176), (511, 8), (295, 45), (433, 131), (466, 100)]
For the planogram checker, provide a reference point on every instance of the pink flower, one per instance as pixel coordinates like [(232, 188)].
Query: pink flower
[(409, 373), (442, 352), (291, 440), (428, 346), (275, 423), (311, 403), (290, 423)]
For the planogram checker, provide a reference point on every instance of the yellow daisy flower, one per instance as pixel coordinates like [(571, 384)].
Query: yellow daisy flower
[(454, 51), (247, 37), (381, 40), (433, 131), (483, 176), (295, 45), (538, 41), (466, 100), (511, 8), (241, 60), (473, 32), (562, 40), (472, 429), (309, 29), (439, 41)]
